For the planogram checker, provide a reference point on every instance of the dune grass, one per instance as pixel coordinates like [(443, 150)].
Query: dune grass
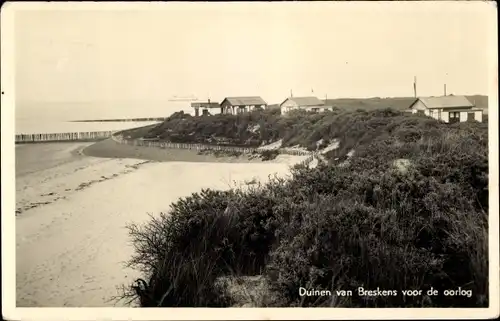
[(407, 211)]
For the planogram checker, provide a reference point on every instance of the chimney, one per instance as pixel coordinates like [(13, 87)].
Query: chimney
[(445, 89)]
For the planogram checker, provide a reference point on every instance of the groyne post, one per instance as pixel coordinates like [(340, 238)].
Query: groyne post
[(61, 137)]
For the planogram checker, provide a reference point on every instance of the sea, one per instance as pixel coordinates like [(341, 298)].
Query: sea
[(59, 117)]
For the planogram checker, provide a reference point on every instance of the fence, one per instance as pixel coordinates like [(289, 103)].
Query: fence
[(308, 160), (62, 137), (200, 147)]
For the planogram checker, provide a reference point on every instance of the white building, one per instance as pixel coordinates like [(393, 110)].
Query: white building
[(207, 108), (305, 103), (450, 109)]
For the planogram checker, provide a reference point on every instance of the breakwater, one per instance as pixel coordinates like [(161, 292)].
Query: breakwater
[(201, 147), (159, 119), (62, 137)]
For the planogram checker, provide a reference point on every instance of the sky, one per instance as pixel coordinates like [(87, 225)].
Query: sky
[(152, 52)]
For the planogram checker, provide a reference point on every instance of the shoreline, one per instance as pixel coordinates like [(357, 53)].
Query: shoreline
[(42, 165)]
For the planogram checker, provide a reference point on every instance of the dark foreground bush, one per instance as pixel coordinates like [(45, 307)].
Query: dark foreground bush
[(407, 212), (393, 232), (178, 271), (204, 236)]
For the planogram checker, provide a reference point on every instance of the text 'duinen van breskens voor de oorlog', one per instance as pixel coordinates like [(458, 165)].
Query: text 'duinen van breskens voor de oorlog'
[(360, 291)]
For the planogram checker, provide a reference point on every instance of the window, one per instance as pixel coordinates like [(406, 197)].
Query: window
[(439, 114), (454, 116)]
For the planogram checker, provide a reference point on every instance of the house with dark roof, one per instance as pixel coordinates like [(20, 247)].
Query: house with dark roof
[(238, 105), (304, 103), (207, 108), (449, 109)]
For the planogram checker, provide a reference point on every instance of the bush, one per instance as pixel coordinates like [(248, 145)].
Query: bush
[(203, 237), (180, 253), (269, 154), (392, 232), (407, 211)]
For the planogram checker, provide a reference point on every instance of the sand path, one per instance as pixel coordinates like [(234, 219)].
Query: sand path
[(70, 252)]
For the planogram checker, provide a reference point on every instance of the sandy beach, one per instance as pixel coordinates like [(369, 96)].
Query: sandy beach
[(71, 240)]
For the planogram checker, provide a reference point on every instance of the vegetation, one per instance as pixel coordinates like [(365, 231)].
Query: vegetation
[(261, 127), (408, 211), (269, 154), (220, 153)]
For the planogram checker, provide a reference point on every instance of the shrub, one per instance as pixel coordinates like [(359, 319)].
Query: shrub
[(269, 154), (203, 237), (367, 224), (388, 231), (180, 252)]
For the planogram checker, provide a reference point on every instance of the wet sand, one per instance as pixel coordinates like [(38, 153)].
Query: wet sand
[(31, 158), (71, 247)]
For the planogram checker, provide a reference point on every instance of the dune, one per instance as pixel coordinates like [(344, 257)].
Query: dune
[(70, 252)]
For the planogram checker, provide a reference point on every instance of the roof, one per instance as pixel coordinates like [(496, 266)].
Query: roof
[(444, 102), (245, 101), (205, 105), (306, 101)]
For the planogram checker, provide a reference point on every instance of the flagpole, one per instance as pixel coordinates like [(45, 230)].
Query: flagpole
[(415, 86)]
